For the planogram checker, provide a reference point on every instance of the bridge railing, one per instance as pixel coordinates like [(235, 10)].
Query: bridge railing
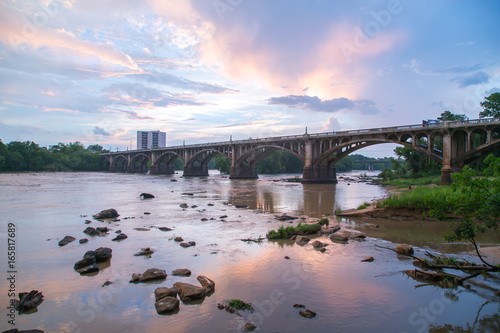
[(323, 134)]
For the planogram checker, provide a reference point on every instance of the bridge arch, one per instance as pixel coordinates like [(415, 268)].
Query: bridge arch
[(197, 164), (118, 164), (164, 164), (139, 163)]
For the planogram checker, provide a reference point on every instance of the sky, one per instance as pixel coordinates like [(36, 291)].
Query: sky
[(207, 70)]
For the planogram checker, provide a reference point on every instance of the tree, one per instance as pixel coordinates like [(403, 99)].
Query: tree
[(491, 106), (449, 116), (222, 163), (478, 203)]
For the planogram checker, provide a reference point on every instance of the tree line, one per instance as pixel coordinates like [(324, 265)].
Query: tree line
[(29, 156)]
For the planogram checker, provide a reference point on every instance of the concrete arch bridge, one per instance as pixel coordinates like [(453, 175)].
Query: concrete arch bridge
[(452, 144)]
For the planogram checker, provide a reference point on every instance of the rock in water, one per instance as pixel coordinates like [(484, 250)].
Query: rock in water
[(166, 305), (188, 244), (183, 205), (119, 237), (368, 259), (106, 214), (162, 292), (302, 240), (66, 240), (149, 275), (318, 245), (206, 283), (146, 196), (189, 292), (89, 269), (339, 238), (28, 301), (103, 254), (404, 249), (307, 313), (144, 252), (90, 231), (249, 327), (181, 272)]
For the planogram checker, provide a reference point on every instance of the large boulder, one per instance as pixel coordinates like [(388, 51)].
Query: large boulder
[(339, 238), (106, 214), (162, 292), (167, 305), (149, 275), (404, 249), (206, 283), (189, 292), (103, 254), (66, 240)]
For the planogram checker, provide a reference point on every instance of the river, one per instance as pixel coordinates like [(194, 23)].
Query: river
[(348, 295)]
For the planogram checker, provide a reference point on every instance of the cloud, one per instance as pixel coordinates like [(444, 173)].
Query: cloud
[(469, 43), (251, 123), (492, 91), (473, 79), (100, 131), (332, 124), (314, 103), (462, 69)]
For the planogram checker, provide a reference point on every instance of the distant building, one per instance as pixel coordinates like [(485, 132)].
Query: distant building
[(151, 139)]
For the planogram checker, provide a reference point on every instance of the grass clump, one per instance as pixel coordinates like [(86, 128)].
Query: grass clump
[(405, 182), (324, 221), (338, 210), (287, 232), (436, 201), (238, 304), (363, 206)]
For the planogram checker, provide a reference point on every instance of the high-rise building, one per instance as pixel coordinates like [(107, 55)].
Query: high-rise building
[(151, 139)]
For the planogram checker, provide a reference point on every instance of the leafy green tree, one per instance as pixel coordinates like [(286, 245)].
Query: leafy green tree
[(491, 106), (345, 164), (478, 203), (222, 163), (449, 116), (4, 152)]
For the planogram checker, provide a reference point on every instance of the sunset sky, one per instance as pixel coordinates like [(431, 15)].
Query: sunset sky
[(202, 70)]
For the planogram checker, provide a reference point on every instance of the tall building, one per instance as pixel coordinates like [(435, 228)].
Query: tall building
[(151, 139)]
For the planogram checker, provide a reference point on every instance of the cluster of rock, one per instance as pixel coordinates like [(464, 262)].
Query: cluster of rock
[(90, 259), (28, 301), (166, 300)]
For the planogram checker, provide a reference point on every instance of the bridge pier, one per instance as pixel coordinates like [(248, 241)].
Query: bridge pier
[(196, 171), (241, 172), (319, 175)]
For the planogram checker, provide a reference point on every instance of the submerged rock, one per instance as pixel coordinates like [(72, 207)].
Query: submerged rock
[(368, 259), (149, 275), (183, 205), (188, 244), (119, 237), (106, 214), (66, 240), (307, 313), (249, 327), (302, 240), (144, 252), (181, 272), (318, 245), (164, 229)]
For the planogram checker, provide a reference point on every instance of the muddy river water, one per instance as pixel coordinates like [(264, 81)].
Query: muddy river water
[(348, 295)]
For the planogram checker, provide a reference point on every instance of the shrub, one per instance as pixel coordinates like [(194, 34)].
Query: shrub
[(286, 233)]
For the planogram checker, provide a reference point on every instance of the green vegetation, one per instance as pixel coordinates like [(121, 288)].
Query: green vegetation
[(406, 182), (475, 200), (491, 106), (238, 304), (363, 206), (324, 221), (361, 162), (287, 232), (28, 156)]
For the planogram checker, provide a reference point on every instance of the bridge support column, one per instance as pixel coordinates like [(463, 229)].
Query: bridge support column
[(196, 171), (319, 175), (162, 170), (447, 153), (241, 172)]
